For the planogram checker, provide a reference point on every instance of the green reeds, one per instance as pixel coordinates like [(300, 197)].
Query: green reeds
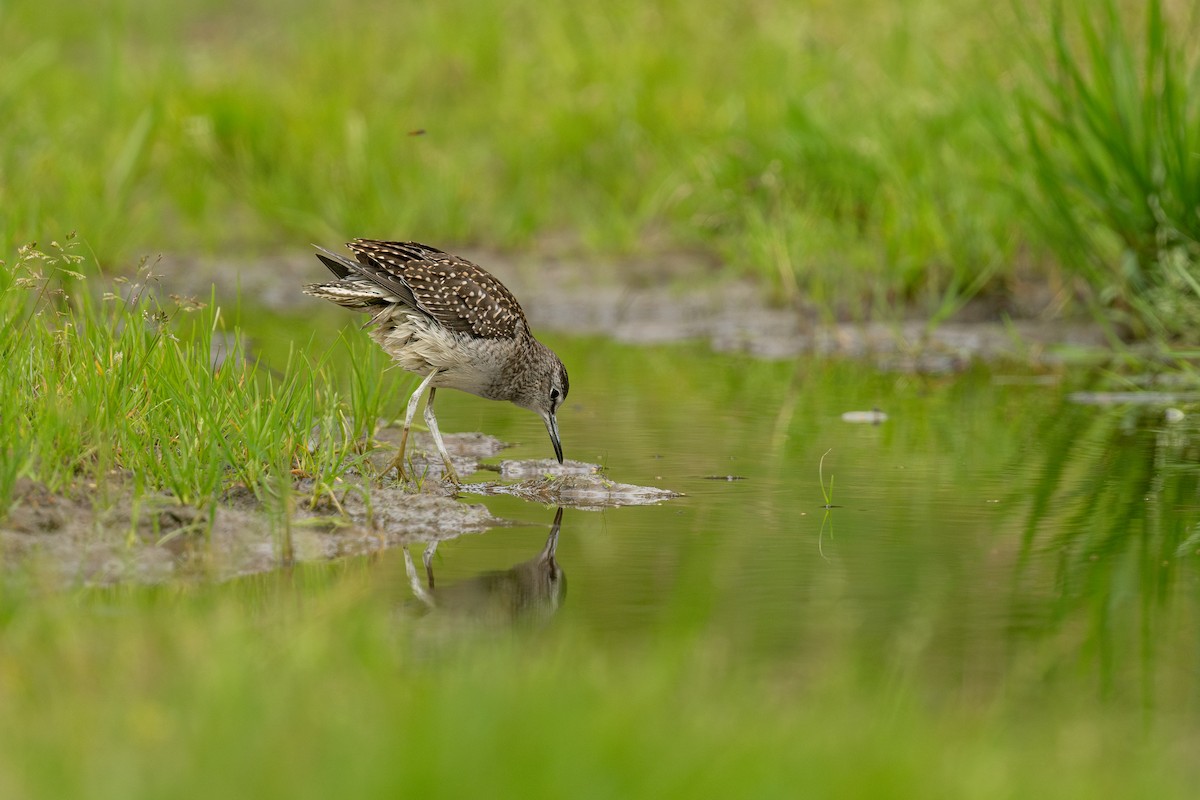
[(1113, 131)]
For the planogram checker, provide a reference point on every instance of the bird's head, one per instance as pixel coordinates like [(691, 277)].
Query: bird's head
[(544, 391)]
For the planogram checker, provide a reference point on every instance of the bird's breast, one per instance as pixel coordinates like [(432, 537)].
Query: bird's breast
[(420, 345)]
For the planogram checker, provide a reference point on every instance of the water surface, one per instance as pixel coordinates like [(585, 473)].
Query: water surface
[(990, 537)]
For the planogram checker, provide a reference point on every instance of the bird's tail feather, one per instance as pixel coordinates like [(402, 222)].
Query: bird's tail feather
[(338, 264), (356, 295)]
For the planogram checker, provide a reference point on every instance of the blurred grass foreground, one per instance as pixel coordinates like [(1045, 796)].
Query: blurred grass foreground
[(856, 154)]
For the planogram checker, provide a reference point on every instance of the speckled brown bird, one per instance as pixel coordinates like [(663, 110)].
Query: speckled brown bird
[(450, 321)]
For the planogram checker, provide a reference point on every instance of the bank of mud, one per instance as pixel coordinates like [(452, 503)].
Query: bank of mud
[(105, 535)]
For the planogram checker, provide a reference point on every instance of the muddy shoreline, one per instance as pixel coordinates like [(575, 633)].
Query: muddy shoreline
[(84, 536)]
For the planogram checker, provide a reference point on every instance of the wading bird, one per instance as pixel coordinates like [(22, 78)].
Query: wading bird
[(451, 322)]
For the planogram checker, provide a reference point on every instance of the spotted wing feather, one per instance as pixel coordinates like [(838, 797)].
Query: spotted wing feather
[(460, 295)]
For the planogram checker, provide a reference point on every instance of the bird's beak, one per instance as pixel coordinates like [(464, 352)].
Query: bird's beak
[(552, 540), (552, 427)]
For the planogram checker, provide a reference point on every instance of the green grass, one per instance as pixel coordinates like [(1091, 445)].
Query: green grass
[(858, 155), (310, 686), (846, 151), (1114, 136), (103, 387), (852, 153)]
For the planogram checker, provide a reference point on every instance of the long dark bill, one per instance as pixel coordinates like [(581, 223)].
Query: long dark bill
[(552, 427)]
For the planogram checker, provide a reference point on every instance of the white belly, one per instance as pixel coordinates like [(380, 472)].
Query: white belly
[(421, 346)]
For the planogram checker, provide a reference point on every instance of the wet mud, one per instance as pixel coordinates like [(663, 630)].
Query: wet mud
[(92, 537)]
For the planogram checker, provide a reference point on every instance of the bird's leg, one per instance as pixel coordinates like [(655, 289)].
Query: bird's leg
[(428, 559), (431, 422), (398, 461), (414, 583)]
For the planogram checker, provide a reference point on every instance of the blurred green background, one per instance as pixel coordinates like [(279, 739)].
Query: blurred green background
[(856, 155)]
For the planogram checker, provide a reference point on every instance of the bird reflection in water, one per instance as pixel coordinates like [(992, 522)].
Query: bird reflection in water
[(531, 591)]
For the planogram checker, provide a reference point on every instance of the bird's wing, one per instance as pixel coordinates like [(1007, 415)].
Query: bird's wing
[(458, 294)]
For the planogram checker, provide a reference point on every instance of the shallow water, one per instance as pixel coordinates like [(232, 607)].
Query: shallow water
[(989, 536)]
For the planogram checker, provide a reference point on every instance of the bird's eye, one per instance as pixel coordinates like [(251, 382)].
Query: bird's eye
[(554, 394)]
